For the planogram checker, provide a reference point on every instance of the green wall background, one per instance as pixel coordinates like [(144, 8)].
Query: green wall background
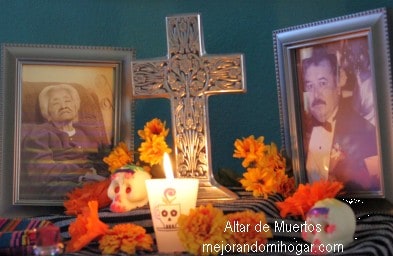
[(230, 26)]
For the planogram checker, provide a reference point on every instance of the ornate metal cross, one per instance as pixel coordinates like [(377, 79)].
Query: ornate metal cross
[(187, 77)]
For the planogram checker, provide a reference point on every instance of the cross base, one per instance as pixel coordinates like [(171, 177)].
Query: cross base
[(215, 192)]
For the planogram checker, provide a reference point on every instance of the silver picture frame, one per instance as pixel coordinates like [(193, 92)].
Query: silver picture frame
[(364, 38), (102, 79)]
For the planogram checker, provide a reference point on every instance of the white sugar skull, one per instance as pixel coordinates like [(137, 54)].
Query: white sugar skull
[(127, 190), (334, 222)]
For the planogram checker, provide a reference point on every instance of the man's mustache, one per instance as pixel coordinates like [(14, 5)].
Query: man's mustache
[(318, 102)]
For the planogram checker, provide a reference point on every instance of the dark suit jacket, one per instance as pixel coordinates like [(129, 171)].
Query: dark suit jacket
[(354, 140)]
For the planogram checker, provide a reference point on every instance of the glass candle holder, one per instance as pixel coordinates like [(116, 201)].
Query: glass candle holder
[(168, 198), (48, 241)]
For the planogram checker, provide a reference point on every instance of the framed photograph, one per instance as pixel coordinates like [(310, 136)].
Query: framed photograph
[(63, 109), (335, 97)]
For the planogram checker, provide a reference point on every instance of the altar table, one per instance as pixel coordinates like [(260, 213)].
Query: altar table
[(373, 236)]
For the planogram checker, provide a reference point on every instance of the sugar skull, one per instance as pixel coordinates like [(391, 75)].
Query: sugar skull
[(127, 190), (334, 222)]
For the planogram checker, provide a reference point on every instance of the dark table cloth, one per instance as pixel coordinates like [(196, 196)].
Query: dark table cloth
[(373, 236)]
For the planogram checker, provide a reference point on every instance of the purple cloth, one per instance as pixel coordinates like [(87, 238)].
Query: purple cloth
[(53, 161)]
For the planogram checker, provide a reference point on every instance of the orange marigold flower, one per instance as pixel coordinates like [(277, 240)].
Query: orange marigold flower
[(152, 150), (203, 225), (250, 149), (127, 238), (271, 158), (262, 182), (118, 157), (287, 187), (90, 191), (254, 234), (306, 196), (153, 127), (86, 228)]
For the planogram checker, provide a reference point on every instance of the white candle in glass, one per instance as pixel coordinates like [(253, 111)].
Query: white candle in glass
[(168, 198)]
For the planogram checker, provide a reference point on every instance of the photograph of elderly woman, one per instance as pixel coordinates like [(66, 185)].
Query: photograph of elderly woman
[(67, 118)]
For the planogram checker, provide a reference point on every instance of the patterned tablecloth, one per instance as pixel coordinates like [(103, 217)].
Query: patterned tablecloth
[(373, 236)]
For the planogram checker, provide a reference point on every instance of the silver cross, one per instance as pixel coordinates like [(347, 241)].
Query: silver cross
[(187, 77)]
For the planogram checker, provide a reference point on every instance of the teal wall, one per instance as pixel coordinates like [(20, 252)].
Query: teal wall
[(230, 26)]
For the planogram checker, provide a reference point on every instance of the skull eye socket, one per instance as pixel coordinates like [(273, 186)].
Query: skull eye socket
[(330, 228), (128, 190), (164, 213), (173, 213), (117, 189)]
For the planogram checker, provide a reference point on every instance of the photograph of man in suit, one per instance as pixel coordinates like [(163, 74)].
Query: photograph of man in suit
[(339, 143)]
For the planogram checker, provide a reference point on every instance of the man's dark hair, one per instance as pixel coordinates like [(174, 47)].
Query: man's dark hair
[(320, 54)]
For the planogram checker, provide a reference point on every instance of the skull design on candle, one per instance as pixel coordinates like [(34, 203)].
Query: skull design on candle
[(127, 189), (168, 213), (334, 223)]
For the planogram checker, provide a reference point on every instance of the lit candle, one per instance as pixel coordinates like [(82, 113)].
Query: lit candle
[(168, 167), (168, 198)]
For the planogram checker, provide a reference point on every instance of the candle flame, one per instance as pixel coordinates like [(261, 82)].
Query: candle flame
[(168, 167)]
